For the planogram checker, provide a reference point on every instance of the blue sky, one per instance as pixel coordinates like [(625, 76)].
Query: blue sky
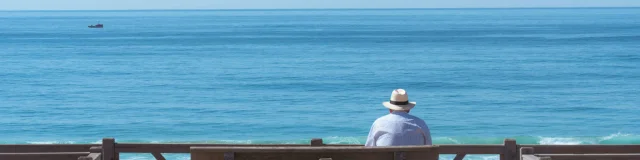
[(283, 4)]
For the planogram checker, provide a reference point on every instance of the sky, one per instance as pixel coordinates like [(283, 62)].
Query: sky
[(299, 4)]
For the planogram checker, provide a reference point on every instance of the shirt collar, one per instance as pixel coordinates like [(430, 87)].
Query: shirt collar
[(399, 112)]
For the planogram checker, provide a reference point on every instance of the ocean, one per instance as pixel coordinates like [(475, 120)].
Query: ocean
[(541, 76)]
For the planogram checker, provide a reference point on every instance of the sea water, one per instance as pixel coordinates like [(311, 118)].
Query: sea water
[(541, 76)]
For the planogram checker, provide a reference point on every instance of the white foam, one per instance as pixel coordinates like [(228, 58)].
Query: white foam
[(51, 142), (97, 142), (614, 136), (453, 140), (237, 141), (559, 141)]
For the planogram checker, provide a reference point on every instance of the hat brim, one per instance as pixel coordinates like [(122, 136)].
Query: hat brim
[(399, 107)]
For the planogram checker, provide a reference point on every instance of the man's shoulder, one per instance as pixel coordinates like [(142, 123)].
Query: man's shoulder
[(393, 117), (383, 119), (414, 118), (418, 121)]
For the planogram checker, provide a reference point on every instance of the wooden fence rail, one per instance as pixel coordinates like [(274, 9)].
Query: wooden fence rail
[(26, 148), (508, 150), (590, 156), (315, 153), (95, 153), (109, 149), (42, 156), (583, 149), (529, 153)]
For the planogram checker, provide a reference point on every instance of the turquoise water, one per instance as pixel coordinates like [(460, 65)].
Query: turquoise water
[(542, 76)]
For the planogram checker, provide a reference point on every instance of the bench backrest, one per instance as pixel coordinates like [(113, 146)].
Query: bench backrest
[(315, 153)]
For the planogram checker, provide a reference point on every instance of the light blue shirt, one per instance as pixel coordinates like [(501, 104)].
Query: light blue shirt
[(399, 129)]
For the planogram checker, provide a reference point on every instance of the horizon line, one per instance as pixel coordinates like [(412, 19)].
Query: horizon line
[(299, 9)]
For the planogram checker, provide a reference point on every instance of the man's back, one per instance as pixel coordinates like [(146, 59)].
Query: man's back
[(399, 129)]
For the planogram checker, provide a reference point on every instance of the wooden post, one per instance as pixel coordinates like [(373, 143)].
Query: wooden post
[(108, 149), (510, 150), (399, 156), (317, 142), (229, 156)]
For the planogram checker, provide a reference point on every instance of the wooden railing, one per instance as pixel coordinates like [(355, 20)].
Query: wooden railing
[(47, 151), (591, 152), (507, 151), (95, 153), (110, 150), (26, 148), (316, 153)]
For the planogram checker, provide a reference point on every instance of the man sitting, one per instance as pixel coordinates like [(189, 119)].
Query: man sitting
[(399, 128)]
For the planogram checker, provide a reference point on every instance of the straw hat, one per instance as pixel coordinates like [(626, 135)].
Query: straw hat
[(399, 101)]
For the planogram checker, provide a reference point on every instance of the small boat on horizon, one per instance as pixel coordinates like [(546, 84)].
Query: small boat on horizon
[(96, 26)]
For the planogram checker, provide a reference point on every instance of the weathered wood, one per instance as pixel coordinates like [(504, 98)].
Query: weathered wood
[(315, 155), (229, 156), (312, 156), (309, 149), (158, 156), (25, 148), (505, 150), (433, 154), (214, 156), (184, 148), (399, 156), (591, 156), (471, 149), (304, 153), (42, 156), (96, 153), (95, 156), (84, 158), (510, 150), (95, 149), (459, 156), (207, 156), (584, 149), (91, 156), (116, 156), (290, 156), (43, 153), (108, 149), (533, 157), (526, 152), (317, 142)]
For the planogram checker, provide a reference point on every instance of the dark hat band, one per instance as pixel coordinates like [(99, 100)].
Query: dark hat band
[(399, 102)]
